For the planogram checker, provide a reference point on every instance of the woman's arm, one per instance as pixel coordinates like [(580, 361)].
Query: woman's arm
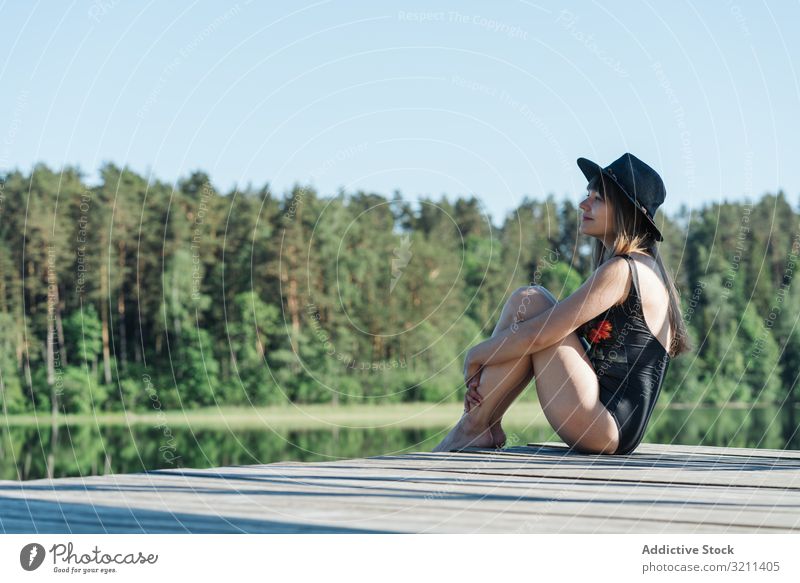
[(604, 288)]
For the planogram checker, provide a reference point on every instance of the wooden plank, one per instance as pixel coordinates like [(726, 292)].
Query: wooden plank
[(591, 468), (407, 520), (537, 488), (437, 519), (52, 517), (655, 448), (661, 505), (258, 478)]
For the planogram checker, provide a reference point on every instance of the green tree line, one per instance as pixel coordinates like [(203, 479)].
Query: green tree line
[(138, 294)]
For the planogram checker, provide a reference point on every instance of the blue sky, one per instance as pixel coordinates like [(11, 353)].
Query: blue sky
[(429, 98)]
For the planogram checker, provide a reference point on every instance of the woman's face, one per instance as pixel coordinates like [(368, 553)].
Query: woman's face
[(597, 219)]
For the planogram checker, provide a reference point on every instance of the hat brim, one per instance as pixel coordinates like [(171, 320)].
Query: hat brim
[(656, 233), (591, 169)]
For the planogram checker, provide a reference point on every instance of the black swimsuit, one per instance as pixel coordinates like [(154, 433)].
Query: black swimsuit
[(630, 364)]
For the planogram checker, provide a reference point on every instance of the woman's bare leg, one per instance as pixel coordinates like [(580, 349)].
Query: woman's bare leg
[(479, 428), (502, 383), (565, 382), (568, 391), (518, 308)]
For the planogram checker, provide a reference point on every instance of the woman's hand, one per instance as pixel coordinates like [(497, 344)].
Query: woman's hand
[(473, 397)]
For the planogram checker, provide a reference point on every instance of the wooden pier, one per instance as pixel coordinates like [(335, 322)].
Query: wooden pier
[(541, 487)]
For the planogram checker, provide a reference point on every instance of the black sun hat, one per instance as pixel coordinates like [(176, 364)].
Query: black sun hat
[(640, 183)]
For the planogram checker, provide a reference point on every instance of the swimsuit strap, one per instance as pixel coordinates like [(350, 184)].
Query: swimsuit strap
[(635, 287)]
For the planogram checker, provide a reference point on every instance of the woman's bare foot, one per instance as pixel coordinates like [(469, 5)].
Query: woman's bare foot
[(498, 435), (466, 433)]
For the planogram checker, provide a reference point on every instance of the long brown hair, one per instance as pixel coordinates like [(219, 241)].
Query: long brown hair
[(633, 234)]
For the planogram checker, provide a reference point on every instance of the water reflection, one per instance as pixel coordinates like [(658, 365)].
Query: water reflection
[(28, 452)]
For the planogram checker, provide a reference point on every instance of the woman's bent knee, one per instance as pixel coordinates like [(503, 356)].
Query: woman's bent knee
[(530, 298), (529, 290)]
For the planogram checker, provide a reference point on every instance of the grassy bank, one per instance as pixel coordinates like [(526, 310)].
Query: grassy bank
[(293, 416)]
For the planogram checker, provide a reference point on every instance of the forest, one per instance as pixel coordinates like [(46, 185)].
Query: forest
[(137, 294)]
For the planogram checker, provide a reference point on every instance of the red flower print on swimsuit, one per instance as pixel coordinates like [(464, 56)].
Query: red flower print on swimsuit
[(601, 331)]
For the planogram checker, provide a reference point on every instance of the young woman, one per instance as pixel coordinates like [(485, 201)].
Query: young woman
[(600, 355)]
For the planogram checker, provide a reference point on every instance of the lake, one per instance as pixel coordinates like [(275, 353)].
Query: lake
[(95, 447)]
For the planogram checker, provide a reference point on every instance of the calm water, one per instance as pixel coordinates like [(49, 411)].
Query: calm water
[(25, 452)]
